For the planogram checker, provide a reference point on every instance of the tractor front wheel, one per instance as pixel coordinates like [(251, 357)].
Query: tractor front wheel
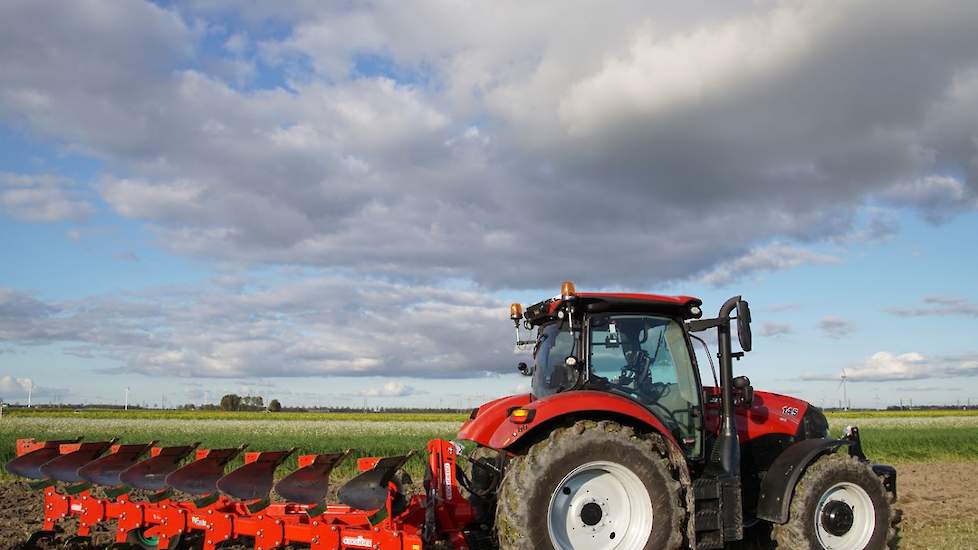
[(838, 504), (594, 485)]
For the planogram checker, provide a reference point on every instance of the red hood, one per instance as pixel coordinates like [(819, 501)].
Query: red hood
[(770, 413)]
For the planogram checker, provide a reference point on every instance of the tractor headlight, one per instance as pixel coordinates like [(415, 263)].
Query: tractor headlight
[(520, 415)]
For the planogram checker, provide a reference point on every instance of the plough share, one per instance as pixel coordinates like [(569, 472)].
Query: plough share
[(93, 482)]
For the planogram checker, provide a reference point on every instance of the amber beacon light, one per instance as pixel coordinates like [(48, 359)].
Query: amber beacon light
[(567, 290), (515, 312)]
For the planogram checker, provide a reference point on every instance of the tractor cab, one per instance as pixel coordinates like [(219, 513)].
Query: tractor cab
[(632, 345)]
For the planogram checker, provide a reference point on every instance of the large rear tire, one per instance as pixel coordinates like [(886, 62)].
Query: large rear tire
[(594, 485), (838, 504)]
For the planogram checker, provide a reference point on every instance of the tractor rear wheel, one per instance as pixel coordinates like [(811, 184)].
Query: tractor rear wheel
[(838, 504), (594, 485)]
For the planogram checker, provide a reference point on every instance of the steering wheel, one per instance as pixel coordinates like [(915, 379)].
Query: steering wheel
[(643, 397), (654, 390), (635, 369)]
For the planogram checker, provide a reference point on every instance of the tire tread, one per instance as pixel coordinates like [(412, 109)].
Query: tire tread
[(513, 513)]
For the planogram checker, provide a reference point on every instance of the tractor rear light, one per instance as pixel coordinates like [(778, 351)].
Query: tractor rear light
[(520, 415)]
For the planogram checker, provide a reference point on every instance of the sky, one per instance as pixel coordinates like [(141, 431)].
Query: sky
[(333, 203)]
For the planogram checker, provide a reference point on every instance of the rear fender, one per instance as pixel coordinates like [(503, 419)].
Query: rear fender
[(556, 408), (485, 421), (778, 484)]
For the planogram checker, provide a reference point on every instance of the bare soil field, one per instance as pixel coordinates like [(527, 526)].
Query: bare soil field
[(940, 509)]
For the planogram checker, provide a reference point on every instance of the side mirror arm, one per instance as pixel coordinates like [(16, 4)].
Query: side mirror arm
[(699, 325)]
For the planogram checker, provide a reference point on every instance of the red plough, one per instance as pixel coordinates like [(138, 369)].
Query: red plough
[(91, 483)]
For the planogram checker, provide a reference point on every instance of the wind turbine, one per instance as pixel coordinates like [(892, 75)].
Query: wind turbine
[(127, 399), (845, 395), (30, 391)]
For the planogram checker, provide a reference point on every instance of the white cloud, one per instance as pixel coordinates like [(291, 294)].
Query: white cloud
[(390, 389), (885, 366), (316, 326), (938, 306), (774, 257), (728, 125), (15, 388), (660, 72), (938, 197), (776, 329), (836, 327), (42, 198)]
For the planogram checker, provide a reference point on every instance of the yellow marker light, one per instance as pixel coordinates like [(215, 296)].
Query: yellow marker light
[(567, 290), (521, 415), (515, 311)]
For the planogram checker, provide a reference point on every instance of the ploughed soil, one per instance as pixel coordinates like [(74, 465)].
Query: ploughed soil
[(940, 509)]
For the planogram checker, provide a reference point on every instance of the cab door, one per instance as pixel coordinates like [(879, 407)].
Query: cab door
[(647, 359)]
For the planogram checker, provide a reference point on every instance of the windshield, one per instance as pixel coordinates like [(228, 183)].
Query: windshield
[(646, 358), (550, 375)]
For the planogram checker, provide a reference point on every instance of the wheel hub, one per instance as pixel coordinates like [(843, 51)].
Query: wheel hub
[(845, 517), (600, 505), (591, 514), (837, 518)]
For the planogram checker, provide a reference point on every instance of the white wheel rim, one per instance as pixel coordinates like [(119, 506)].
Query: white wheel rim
[(863, 512), (600, 506)]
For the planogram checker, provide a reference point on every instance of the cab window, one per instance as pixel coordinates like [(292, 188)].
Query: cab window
[(646, 358)]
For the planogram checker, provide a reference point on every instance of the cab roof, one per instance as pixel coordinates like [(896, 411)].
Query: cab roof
[(595, 302)]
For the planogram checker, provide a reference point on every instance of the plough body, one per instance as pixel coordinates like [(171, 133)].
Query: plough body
[(237, 506)]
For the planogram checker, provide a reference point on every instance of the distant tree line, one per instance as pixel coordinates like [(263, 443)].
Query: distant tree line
[(235, 402)]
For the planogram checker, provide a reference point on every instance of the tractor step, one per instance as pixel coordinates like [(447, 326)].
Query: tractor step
[(718, 515), (709, 541), (706, 489), (708, 520)]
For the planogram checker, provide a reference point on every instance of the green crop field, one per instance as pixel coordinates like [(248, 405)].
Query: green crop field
[(899, 437), (888, 437), (221, 415)]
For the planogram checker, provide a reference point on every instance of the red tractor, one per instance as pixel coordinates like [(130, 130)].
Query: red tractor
[(618, 446)]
